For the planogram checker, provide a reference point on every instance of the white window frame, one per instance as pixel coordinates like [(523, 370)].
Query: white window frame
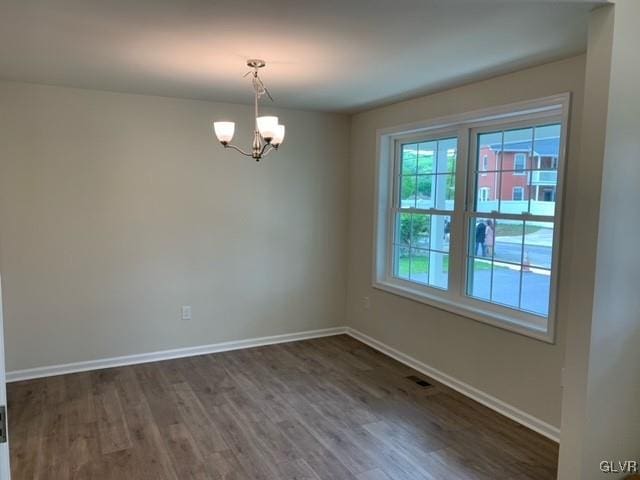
[(455, 299), (516, 170), (396, 168), (485, 193), (513, 193)]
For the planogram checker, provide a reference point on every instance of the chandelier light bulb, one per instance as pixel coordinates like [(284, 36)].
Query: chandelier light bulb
[(224, 131), (267, 126), (279, 136)]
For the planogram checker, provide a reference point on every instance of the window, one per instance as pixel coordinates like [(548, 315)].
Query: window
[(517, 195), (456, 233), (519, 163), (422, 210)]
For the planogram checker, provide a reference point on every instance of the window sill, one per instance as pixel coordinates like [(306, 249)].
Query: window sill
[(470, 311)]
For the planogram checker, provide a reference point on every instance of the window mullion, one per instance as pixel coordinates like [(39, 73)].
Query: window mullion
[(457, 235)]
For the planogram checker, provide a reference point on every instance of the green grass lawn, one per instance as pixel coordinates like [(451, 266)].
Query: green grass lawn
[(421, 264), (512, 230)]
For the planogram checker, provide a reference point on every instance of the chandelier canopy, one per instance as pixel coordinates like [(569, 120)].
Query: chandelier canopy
[(268, 134)]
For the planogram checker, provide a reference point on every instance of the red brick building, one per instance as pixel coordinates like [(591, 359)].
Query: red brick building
[(511, 171)]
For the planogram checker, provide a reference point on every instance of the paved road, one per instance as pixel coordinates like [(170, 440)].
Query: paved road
[(511, 252), (539, 255), (506, 289)]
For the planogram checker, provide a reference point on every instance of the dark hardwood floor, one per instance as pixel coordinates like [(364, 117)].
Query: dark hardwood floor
[(330, 408)]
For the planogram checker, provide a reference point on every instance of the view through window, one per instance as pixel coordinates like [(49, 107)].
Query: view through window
[(422, 228), (488, 249), (512, 225)]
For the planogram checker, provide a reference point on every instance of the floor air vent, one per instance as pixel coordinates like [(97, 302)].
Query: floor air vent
[(419, 381)]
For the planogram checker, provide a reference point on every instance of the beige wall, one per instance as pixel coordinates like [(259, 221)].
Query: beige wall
[(523, 372), (117, 209), (591, 151), (613, 392), (602, 419)]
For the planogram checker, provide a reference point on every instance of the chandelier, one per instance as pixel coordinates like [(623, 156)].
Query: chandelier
[(268, 134)]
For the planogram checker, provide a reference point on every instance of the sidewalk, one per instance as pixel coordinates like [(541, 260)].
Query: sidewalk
[(511, 266)]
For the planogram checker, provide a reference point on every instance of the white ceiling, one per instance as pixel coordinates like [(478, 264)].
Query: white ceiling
[(342, 55)]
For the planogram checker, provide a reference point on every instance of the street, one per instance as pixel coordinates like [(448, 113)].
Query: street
[(539, 256)]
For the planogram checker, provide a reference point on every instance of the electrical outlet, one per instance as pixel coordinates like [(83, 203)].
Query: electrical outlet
[(186, 312), (366, 303)]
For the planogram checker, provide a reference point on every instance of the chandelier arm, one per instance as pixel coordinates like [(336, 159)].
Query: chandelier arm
[(267, 152), (228, 145)]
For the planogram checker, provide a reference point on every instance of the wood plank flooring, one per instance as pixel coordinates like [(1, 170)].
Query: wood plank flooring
[(329, 409)]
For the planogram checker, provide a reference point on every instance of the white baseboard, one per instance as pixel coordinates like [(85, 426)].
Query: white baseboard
[(52, 370), (493, 403), (523, 418)]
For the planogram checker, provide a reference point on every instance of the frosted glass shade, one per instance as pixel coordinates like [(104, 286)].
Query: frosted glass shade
[(224, 131), (279, 136), (267, 126)]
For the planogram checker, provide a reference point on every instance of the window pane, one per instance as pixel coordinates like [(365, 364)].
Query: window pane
[(546, 147), (479, 279), (490, 146), (504, 240), (449, 149), (511, 182), (538, 244), (421, 248), (425, 191), (505, 287), (440, 233), (450, 146), (407, 192), (403, 229), (445, 192), (536, 285), (486, 187), (420, 228), (517, 145), (439, 270), (478, 238), (419, 265), (401, 261), (426, 157), (409, 158)]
